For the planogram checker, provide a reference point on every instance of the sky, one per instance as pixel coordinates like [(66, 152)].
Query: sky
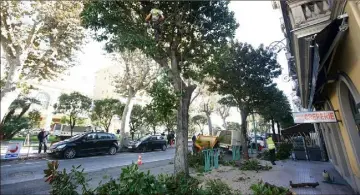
[(259, 24)]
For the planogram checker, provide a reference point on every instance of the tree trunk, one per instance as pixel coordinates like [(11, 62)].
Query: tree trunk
[(244, 114), (224, 123), (273, 127), (125, 113), (6, 101), (279, 131), (181, 160), (209, 123)]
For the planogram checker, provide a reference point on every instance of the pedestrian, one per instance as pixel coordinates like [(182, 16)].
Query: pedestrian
[(194, 141), (42, 140), (169, 139), (271, 146)]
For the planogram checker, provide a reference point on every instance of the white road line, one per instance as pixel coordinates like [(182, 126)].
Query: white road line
[(5, 165)]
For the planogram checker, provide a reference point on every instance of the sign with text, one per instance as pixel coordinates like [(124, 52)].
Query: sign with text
[(13, 150), (315, 117)]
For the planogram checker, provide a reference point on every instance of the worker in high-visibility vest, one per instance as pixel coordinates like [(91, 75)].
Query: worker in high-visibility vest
[(271, 146)]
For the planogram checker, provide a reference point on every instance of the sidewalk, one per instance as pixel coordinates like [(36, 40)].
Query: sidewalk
[(280, 175)]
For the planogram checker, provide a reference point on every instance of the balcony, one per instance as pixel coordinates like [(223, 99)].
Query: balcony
[(309, 12)]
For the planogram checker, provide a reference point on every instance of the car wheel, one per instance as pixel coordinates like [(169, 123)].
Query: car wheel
[(163, 148), (69, 153), (112, 150)]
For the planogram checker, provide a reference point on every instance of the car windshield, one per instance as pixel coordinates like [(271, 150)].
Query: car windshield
[(144, 138), (74, 137)]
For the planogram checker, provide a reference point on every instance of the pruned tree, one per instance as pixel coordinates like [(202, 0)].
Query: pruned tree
[(38, 40), (104, 110), (200, 121), (224, 112), (75, 105), (242, 77), (192, 34), (139, 72)]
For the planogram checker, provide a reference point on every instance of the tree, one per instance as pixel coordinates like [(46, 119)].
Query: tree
[(275, 108), (66, 120), (136, 119), (75, 105), (151, 118), (164, 101), (233, 126), (192, 34), (104, 110), (224, 112), (12, 123), (242, 77), (38, 40), (200, 121), (208, 106), (138, 73), (34, 118)]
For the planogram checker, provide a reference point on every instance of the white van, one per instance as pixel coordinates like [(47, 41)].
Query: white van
[(229, 138)]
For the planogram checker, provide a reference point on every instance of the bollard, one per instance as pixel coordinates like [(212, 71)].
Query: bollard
[(236, 152), (216, 158), (211, 159)]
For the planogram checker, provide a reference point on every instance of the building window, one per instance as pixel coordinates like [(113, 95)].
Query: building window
[(355, 109), (349, 97)]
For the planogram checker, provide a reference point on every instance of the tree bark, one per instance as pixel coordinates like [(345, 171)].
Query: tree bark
[(125, 113), (224, 123), (209, 123), (244, 114), (279, 131), (273, 127), (181, 160)]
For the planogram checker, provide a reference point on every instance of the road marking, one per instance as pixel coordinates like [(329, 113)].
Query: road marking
[(5, 165)]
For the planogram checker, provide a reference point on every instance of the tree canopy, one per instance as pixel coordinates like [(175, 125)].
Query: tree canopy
[(39, 40), (193, 32), (242, 77), (104, 110), (75, 105)]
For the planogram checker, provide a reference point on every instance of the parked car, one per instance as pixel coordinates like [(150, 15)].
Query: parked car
[(149, 142), (86, 143)]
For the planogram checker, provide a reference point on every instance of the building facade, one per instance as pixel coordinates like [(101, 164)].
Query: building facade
[(324, 40)]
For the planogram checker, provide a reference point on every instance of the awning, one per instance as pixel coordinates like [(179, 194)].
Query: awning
[(325, 45), (305, 128)]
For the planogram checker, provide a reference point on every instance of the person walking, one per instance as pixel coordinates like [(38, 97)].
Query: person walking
[(42, 137), (271, 146), (194, 141)]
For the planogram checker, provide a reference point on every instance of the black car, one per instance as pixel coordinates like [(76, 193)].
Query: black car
[(87, 143), (149, 142)]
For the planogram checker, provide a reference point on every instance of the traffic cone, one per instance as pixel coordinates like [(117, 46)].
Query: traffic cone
[(139, 162)]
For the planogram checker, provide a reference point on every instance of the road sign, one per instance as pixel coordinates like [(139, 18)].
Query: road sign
[(315, 117), (13, 150)]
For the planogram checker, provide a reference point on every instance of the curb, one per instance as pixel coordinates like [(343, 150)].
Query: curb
[(23, 158)]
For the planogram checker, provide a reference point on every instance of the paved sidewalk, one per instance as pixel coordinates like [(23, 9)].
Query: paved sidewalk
[(305, 171)]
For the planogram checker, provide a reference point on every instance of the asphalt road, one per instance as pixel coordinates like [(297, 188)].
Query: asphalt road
[(28, 177)]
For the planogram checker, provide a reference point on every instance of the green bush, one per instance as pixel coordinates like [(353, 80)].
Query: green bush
[(264, 155), (196, 160), (131, 181), (267, 189), (284, 151)]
